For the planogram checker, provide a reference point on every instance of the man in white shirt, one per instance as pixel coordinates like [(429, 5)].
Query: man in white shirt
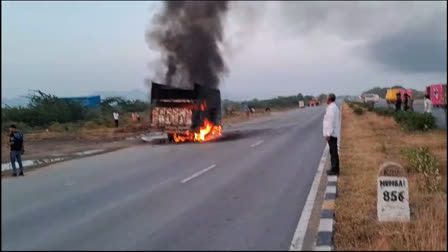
[(428, 104), (331, 129), (116, 116)]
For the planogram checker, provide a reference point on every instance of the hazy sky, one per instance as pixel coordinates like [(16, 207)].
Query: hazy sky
[(271, 48)]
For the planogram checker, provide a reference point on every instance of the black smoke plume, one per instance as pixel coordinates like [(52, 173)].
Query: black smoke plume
[(188, 35)]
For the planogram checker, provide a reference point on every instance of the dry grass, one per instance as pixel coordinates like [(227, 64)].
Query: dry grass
[(367, 142)]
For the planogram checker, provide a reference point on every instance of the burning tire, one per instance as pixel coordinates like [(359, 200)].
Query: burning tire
[(171, 138)]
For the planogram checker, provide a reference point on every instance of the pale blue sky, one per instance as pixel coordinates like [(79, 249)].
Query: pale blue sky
[(75, 48)]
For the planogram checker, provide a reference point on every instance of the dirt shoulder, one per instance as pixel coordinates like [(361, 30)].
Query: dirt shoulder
[(368, 141), (39, 145)]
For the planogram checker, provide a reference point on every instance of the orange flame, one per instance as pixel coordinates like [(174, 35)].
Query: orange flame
[(181, 139), (204, 106), (206, 133)]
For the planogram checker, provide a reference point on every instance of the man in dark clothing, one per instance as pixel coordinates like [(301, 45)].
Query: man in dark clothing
[(398, 103), (406, 102), (17, 149)]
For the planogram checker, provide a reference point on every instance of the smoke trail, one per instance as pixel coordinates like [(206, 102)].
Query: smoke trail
[(188, 35)]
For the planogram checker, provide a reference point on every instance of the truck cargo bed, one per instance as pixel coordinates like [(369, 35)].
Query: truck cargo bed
[(180, 110)]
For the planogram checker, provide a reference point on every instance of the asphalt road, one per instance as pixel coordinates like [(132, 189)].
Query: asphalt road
[(243, 192), (438, 113)]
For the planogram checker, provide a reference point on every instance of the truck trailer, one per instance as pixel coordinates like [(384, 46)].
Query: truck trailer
[(391, 95), (437, 94), (186, 114)]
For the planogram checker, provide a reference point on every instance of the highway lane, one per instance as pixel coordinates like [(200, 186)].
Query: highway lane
[(243, 192)]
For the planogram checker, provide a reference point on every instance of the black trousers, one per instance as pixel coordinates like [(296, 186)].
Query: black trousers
[(116, 123), (333, 144)]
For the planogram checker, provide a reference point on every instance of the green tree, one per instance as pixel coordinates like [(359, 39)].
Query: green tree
[(322, 97)]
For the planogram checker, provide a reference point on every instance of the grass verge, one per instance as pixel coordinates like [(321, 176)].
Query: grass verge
[(366, 143)]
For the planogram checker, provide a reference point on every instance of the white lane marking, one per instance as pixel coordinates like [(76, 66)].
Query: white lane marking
[(326, 225), (198, 173), (302, 226), (257, 143)]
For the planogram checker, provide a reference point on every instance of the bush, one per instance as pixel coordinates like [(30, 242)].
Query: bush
[(45, 109), (72, 127), (358, 111), (48, 111), (90, 125), (361, 104), (56, 127), (421, 160), (384, 111), (21, 126), (413, 121)]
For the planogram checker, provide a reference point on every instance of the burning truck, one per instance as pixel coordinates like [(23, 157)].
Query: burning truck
[(186, 114)]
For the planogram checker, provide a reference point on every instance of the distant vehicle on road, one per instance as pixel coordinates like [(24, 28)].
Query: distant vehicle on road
[(313, 103), (437, 94), (367, 98), (406, 91), (391, 95)]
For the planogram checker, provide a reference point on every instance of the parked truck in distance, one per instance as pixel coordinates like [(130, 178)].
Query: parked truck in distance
[(370, 98), (313, 103), (437, 94), (391, 94), (186, 114)]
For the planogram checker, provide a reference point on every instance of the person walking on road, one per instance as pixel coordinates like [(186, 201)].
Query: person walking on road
[(398, 103), (17, 149), (116, 117), (331, 128), (428, 104)]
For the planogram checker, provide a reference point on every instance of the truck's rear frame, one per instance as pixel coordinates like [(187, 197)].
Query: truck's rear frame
[(183, 110)]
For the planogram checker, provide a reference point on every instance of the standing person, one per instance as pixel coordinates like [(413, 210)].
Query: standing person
[(331, 128), (17, 149), (406, 102), (398, 103), (246, 109), (411, 103), (116, 117), (428, 104)]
